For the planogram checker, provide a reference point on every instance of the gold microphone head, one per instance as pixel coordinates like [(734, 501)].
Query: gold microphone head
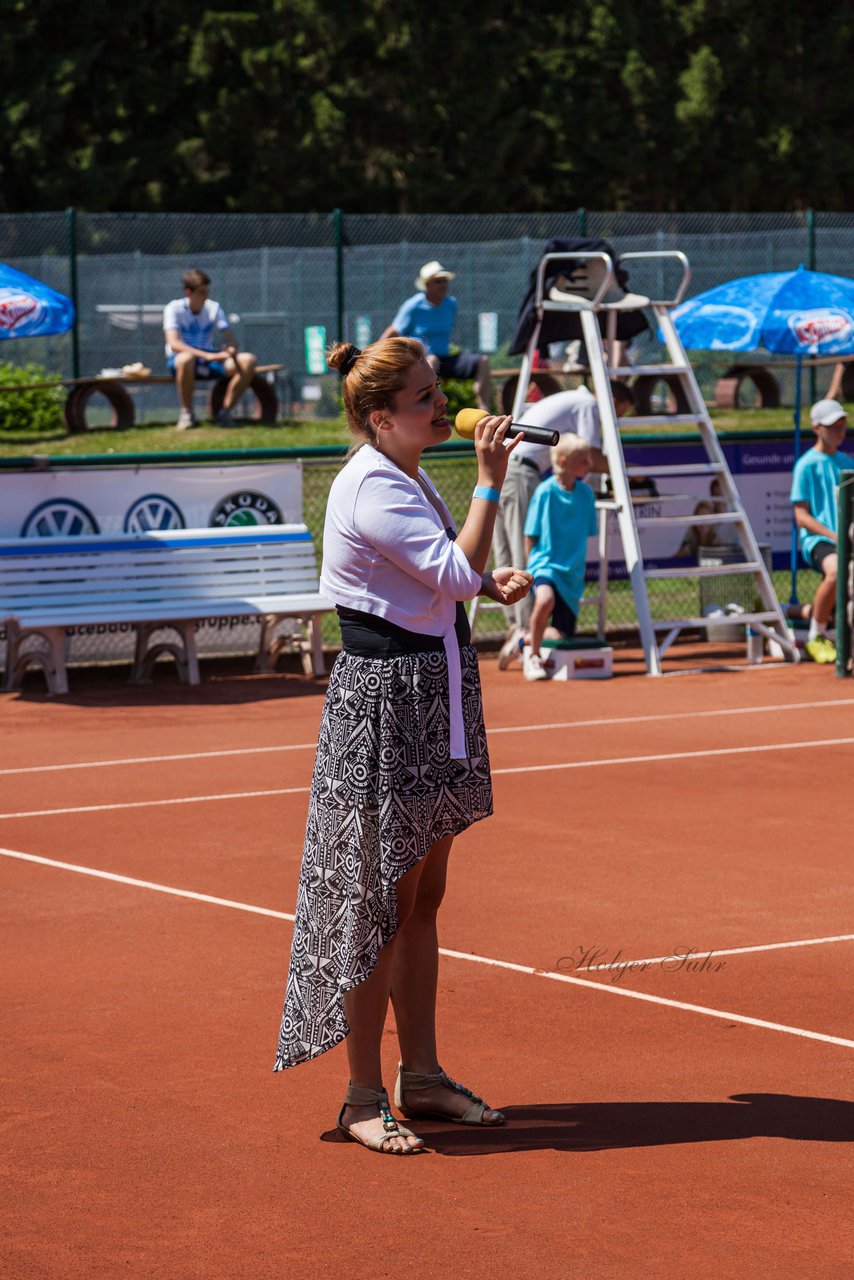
[(466, 421)]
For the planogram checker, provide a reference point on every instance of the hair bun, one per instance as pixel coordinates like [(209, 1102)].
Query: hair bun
[(342, 357)]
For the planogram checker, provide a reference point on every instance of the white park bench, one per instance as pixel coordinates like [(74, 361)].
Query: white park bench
[(154, 581)]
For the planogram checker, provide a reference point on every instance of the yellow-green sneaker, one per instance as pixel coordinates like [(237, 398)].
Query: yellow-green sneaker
[(821, 649)]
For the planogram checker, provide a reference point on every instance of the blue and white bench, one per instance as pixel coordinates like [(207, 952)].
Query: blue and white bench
[(154, 581)]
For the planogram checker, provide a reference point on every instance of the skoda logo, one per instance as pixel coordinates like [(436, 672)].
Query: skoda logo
[(244, 508)]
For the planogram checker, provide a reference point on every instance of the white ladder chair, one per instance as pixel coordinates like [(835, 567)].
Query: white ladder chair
[(591, 293)]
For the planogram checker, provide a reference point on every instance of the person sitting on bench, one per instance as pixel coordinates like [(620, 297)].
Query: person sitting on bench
[(189, 324)]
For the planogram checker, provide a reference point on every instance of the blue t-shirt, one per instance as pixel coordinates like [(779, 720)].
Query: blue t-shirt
[(432, 326), (815, 479), (561, 520)]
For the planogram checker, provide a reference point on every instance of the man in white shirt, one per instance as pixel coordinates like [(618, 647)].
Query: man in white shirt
[(189, 324), (575, 411)]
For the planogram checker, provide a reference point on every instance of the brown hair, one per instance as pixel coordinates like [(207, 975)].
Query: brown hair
[(370, 379), (194, 278)]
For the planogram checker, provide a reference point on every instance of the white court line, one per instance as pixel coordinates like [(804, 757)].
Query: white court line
[(186, 755), (677, 715), (524, 728), (700, 952), (453, 955), (527, 768), (676, 755), (151, 804)]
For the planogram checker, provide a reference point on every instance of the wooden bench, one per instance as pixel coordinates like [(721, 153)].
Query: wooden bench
[(153, 582), (265, 402)]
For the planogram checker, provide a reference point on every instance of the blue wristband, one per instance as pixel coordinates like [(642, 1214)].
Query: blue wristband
[(491, 495)]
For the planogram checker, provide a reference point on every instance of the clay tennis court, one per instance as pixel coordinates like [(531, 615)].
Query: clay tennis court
[(663, 1120)]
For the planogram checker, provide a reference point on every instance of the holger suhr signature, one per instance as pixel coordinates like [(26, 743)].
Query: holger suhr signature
[(603, 960)]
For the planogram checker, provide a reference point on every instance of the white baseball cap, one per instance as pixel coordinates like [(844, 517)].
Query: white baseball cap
[(432, 271), (825, 412)]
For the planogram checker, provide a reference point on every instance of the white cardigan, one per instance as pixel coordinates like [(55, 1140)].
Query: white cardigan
[(386, 551)]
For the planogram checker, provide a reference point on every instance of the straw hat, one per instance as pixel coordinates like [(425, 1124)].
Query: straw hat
[(432, 271)]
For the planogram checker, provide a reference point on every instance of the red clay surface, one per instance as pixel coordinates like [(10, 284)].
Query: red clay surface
[(146, 1136)]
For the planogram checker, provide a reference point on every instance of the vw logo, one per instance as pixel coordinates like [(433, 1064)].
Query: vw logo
[(59, 518), (153, 513)]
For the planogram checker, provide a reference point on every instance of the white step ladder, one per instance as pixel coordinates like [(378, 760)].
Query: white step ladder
[(595, 291)]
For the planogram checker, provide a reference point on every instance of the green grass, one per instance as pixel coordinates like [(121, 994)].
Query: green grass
[(163, 437)]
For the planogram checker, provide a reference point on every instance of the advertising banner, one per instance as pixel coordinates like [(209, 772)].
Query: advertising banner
[(68, 503), (762, 471)]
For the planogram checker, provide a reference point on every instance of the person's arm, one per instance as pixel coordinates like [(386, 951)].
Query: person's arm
[(390, 332), (475, 537), (177, 343), (506, 586), (389, 513), (804, 519), (530, 543), (230, 345), (599, 463)]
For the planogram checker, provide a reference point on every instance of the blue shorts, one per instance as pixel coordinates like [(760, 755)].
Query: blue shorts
[(462, 366), (204, 368), (563, 619)]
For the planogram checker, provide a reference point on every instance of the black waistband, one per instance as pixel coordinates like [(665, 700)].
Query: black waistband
[(366, 635), (526, 462)]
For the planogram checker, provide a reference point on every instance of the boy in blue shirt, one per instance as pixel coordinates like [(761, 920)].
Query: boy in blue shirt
[(815, 479), (429, 316), (561, 517)]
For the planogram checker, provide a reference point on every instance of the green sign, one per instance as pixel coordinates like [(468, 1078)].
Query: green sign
[(315, 349), (363, 331)]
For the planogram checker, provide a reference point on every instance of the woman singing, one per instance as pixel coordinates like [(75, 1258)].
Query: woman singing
[(402, 763)]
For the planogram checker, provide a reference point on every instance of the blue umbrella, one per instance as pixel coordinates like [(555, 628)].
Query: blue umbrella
[(800, 313), (30, 309)]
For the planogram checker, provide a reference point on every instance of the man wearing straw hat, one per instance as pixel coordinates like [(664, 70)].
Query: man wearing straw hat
[(429, 316)]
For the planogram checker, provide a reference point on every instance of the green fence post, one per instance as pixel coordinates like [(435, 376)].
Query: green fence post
[(843, 548), (71, 226), (811, 265), (339, 274)]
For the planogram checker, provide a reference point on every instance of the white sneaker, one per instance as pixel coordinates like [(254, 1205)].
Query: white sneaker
[(511, 649), (186, 421), (534, 669)]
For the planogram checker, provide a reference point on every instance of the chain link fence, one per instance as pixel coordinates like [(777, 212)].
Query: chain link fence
[(279, 274)]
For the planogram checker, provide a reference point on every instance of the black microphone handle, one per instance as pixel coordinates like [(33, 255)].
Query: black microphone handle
[(532, 435)]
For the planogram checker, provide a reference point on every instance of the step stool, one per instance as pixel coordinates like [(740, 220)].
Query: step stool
[(583, 658)]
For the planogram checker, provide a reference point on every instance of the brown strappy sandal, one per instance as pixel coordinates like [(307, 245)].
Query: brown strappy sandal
[(357, 1096), (427, 1083)]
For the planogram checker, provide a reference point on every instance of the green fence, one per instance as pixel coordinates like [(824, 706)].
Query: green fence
[(277, 274)]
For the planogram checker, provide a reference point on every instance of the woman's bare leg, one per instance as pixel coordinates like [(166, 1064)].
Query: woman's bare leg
[(366, 1007), (415, 972)]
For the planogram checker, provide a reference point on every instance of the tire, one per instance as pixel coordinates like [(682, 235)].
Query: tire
[(265, 406), (547, 384), (644, 386), (121, 405)]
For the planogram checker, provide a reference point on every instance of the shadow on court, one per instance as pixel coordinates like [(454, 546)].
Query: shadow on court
[(605, 1126), (224, 682)]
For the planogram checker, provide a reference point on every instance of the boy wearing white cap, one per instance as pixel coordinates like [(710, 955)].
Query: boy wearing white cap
[(429, 316), (815, 480)]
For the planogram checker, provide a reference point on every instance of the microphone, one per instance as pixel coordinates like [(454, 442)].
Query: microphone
[(467, 419)]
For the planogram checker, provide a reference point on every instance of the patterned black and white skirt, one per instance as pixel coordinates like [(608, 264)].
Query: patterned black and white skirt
[(384, 790)]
